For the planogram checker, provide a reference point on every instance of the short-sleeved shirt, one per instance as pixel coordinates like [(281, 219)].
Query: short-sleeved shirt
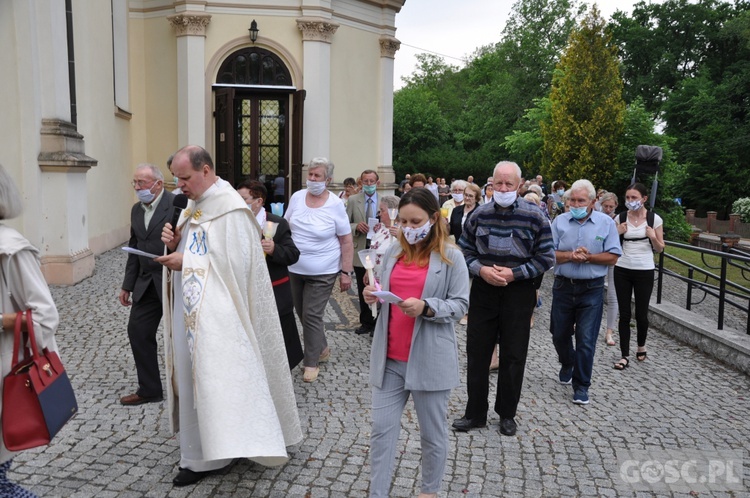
[(316, 231), (598, 234), (638, 254)]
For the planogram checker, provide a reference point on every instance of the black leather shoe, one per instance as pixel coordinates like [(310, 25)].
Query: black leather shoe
[(186, 477), (464, 424), (508, 427), (364, 329)]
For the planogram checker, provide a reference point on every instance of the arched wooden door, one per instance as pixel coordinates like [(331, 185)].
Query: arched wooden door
[(258, 118)]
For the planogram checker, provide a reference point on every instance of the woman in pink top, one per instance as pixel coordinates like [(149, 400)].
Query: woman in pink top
[(414, 351)]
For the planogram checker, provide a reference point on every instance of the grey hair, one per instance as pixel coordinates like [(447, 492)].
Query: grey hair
[(566, 195), (460, 184), (11, 204), (609, 196), (536, 189), (584, 185), (390, 201), (156, 172), (321, 162), (507, 163)]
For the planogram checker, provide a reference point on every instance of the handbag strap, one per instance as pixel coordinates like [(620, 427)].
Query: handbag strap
[(18, 338)]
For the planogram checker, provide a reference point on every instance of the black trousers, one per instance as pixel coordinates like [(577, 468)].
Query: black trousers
[(145, 315), (365, 312), (499, 315), (628, 283)]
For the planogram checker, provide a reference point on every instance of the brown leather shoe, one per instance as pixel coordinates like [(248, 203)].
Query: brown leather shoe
[(137, 399)]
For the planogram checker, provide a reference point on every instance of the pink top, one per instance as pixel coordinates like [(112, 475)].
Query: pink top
[(407, 280)]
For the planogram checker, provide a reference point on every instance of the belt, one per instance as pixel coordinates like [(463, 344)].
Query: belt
[(280, 281), (575, 281)]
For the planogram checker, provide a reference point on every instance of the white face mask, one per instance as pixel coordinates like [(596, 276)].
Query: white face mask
[(316, 188), (634, 205), (414, 235), (145, 195), (505, 199), (458, 197)]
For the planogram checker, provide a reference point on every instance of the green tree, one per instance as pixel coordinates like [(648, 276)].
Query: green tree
[(583, 135)]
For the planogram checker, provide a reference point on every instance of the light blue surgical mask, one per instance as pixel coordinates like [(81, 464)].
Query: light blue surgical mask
[(579, 213), (561, 192), (369, 189)]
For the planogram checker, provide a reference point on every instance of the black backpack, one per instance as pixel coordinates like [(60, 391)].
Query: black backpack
[(649, 221)]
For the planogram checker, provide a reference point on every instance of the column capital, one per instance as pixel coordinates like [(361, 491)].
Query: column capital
[(317, 29), (189, 23), (389, 46)]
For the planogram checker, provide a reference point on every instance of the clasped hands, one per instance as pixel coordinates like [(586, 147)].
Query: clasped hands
[(499, 276), (580, 255)]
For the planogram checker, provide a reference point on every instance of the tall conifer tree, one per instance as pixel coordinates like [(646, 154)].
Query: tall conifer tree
[(582, 138)]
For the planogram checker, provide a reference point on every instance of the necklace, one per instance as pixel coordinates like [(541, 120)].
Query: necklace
[(637, 218)]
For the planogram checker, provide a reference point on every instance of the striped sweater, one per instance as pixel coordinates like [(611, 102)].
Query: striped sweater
[(517, 237)]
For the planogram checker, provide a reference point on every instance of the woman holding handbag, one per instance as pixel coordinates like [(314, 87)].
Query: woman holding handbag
[(414, 351), (22, 287)]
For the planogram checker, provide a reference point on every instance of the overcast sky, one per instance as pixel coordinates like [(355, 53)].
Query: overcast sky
[(456, 28)]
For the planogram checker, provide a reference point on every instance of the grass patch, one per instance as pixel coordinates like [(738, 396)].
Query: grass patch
[(712, 264)]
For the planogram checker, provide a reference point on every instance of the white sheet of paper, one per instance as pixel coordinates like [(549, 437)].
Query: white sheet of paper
[(137, 252), (371, 222), (387, 296)]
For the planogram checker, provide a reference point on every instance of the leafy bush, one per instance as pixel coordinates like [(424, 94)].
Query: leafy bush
[(742, 207), (676, 228)]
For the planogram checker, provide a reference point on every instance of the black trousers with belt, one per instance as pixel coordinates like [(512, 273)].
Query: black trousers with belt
[(499, 315)]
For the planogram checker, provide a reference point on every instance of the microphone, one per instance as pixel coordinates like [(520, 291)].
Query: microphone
[(180, 202)]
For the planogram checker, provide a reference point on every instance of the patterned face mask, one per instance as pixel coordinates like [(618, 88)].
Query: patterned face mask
[(414, 235)]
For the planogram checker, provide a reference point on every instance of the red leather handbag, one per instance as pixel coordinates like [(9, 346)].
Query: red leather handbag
[(38, 398)]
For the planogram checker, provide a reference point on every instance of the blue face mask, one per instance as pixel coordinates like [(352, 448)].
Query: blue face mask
[(369, 189), (560, 192), (579, 213)]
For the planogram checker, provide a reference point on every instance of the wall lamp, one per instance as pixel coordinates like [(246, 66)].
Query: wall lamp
[(253, 31)]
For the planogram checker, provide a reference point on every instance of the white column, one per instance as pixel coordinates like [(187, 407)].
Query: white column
[(317, 35), (190, 29), (388, 48), (52, 175)]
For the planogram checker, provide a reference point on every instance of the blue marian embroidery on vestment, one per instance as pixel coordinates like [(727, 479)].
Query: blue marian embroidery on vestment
[(199, 245)]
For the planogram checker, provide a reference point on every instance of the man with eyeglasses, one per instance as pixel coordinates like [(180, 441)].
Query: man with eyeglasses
[(141, 287), (360, 208)]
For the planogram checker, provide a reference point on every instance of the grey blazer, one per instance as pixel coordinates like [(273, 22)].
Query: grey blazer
[(433, 358)]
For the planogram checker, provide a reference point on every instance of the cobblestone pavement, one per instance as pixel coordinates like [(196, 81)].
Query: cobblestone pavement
[(676, 401)]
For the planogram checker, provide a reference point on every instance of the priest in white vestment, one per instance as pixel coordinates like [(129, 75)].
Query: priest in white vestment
[(229, 387)]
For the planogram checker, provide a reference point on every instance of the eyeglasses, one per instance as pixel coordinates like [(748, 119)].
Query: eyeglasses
[(142, 183)]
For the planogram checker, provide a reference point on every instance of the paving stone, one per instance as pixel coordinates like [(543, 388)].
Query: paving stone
[(677, 400)]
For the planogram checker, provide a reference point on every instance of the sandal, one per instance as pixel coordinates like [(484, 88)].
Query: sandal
[(609, 339), (641, 355), (620, 365), (311, 373)]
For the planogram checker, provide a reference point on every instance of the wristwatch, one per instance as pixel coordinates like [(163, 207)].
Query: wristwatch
[(350, 274), (426, 309)]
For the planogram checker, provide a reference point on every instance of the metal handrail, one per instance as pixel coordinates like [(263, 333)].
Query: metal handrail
[(728, 257)]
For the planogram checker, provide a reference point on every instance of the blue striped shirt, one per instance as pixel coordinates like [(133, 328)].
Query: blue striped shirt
[(517, 237)]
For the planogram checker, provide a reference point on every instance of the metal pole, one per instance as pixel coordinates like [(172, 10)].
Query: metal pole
[(722, 287), (661, 277), (689, 290)]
